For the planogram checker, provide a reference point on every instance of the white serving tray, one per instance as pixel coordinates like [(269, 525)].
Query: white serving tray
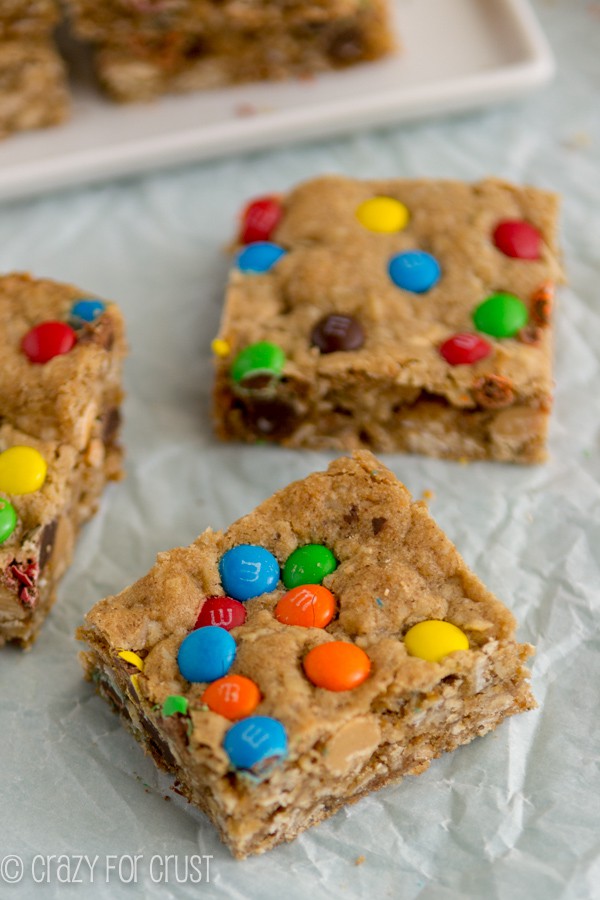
[(457, 54)]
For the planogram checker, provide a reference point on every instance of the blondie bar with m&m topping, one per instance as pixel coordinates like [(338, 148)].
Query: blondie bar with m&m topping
[(323, 646), (392, 315)]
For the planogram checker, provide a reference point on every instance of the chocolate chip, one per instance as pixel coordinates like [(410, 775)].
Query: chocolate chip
[(347, 45), (47, 538), (157, 742), (195, 48), (270, 418), (111, 421), (336, 332), (378, 522), (351, 517)]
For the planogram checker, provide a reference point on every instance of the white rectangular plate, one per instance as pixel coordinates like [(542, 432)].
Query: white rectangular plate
[(457, 54)]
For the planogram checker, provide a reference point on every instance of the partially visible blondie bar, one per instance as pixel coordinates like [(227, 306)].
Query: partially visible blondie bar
[(325, 645), (75, 397), (60, 396), (410, 315), (150, 47), (47, 491), (33, 84)]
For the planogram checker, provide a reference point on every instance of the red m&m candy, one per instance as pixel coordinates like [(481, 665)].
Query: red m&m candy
[(518, 239), (47, 340), (260, 219), (225, 612), (464, 349)]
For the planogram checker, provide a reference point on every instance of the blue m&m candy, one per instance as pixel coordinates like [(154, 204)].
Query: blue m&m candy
[(414, 270), (206, 654), (86, 310), (259, 257), (256, 744), (247, 571)]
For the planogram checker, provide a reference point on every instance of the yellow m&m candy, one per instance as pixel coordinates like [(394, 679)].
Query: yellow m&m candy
[(220, 347), (383, 214), (22, 470), (132, 658), (433, 640)]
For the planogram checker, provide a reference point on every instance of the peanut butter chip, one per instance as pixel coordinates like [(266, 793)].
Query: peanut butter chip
[(352, 745)]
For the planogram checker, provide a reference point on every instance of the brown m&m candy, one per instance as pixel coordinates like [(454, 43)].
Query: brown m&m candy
[(337, 332)]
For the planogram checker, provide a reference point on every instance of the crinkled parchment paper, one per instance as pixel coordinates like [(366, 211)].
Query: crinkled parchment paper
[(513, 815)]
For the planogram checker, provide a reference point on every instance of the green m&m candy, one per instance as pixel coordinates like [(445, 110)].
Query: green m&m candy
[(308, 565), (502, 315), (173, 704), (8, 520), (262, 358)]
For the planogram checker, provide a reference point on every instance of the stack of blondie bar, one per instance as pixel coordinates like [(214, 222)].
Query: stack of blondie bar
[(60, 392)]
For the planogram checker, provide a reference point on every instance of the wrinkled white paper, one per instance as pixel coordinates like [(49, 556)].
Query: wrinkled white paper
[(512, 815)]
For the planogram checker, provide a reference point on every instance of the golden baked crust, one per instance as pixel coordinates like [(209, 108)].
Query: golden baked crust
[(395, 569), (396, 392)]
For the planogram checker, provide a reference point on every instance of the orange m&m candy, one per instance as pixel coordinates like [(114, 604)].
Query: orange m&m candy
[(233, 696), (309, 605), (337, 666)]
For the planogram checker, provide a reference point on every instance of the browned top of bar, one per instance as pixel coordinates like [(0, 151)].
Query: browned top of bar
[(395, 568), (335, 265)]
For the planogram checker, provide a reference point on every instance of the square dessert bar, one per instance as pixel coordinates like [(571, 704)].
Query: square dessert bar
[(392, 315), (148, 48), (60, 394), (33, 85), (325, 645)]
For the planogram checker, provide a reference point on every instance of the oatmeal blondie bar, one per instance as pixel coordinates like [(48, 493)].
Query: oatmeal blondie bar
[(149, 47), (394, 315), (325, 645), (33, 87), (60, 395)]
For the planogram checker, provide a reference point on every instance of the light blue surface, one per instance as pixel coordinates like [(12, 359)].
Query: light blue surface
[(513, 816)]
